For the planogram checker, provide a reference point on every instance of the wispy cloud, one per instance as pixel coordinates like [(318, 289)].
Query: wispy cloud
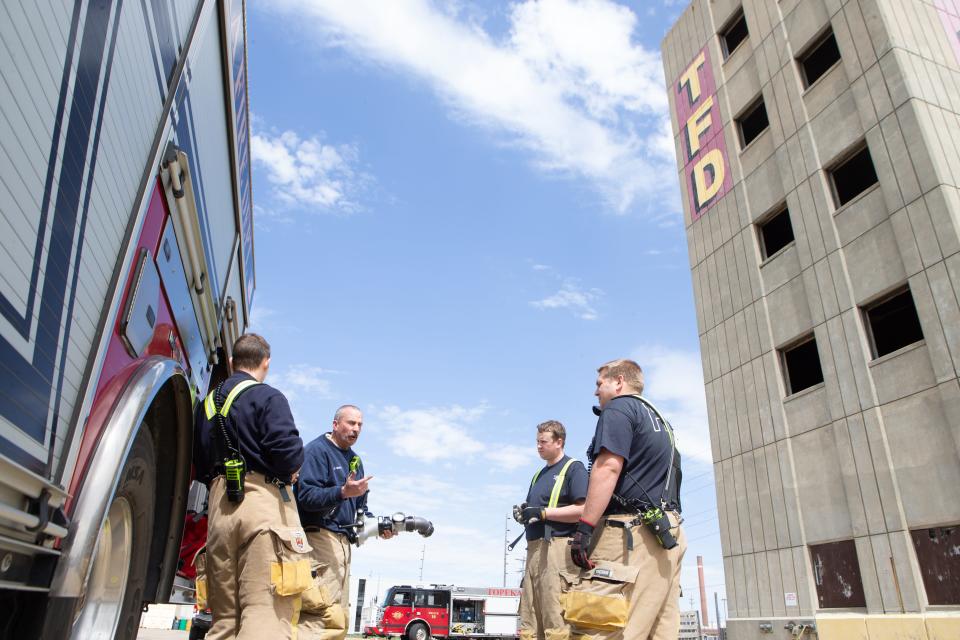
[(304, 380), (673, 380), (573, 297), (567, 81), (308, 173), (435, 434)]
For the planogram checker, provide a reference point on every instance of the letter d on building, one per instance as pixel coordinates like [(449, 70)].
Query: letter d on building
[(711, 163)]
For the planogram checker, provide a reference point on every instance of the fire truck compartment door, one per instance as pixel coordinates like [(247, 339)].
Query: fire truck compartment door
[(502, 605), (170, 266), (500, 624)]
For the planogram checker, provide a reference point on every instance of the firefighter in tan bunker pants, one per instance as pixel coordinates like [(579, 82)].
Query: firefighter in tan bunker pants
[(248, 450), (549, 514), (628, 543), (331, 491)]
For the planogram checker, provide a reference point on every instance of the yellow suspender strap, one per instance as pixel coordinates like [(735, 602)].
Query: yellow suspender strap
[(535, 476), (558, 485), (210, 406)]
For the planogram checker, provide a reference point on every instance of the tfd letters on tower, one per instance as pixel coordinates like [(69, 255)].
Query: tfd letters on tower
[(706, 173)]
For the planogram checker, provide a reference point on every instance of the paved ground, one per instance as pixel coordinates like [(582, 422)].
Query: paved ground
[(161, 634)]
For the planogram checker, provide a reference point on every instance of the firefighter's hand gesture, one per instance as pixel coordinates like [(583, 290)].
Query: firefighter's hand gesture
[(353, 488)]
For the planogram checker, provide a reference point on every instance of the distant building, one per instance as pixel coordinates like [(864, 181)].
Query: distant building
[(817, 145), (690, 625), (690, 628)]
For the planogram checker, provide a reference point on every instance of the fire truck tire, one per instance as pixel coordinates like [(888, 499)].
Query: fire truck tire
[(123, 547), (418, 631)]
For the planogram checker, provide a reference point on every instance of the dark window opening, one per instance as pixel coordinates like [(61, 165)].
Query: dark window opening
[(939, 560), (735, 33), (836, 573), (853, 176), (893, 323), (776, 232), (752, 123), (802, 366), (819, 58)]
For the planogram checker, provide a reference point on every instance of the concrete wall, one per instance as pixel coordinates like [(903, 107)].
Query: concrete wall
[(874, 450)]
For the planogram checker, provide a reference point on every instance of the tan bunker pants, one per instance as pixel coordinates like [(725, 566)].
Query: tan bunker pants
[(629, 595), (257, 563), (541, 615), (326, 605)]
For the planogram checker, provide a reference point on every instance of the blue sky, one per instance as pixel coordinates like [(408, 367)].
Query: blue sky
[(462, 209)]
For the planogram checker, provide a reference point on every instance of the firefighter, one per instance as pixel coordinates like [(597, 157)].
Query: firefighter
[(553, 506), (628, 541), (331, 491), (248, 451)]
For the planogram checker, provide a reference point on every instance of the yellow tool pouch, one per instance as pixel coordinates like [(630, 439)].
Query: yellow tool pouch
[(290, 572), (317, 597), (598, 599)]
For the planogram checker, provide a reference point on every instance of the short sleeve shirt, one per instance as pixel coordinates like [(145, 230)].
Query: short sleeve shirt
[(574, 488), (630, 429)]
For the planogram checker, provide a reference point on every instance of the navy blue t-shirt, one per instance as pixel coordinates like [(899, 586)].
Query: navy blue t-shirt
[(630, 429), (574, 488), (324, 472)]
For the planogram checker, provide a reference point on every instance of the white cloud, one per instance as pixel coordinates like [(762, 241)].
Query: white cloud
[(301, 381), (573, 297), (508, 457), (673, 381), (567, 82), (309, 173), (446, 434)]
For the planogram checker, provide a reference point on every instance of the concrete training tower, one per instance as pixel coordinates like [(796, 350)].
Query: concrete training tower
[(817, 145)]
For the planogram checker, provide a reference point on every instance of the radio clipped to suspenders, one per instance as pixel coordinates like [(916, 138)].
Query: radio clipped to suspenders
[(234, 466), (654, 514)]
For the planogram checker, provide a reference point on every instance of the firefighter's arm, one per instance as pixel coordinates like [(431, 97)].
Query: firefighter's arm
[(568, 513), (282, 446), (603, 479), (317, 488)]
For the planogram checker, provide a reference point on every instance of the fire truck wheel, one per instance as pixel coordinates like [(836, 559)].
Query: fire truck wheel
[(418, 631), (113, 601)]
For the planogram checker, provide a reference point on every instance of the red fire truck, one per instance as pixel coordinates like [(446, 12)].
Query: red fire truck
[(416, 613), (126, 272)]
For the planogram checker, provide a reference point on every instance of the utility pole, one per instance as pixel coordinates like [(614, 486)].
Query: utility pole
[(716, 605), (506, 543), (423, 553)]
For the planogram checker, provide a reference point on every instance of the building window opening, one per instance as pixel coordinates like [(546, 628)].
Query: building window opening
[(939, 560), (892, 323), (819, 58), (801, 365), (752, 123), (734, 34), (836, 573), (853, 176), (776, 232)]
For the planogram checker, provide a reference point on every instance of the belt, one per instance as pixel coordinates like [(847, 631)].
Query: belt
[(313, 528)]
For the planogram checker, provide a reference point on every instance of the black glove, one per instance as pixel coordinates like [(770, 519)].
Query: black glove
[(529, 514), (580, 545), (518, 512)]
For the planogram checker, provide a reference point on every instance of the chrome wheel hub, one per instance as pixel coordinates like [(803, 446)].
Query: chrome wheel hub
[(99, 613)]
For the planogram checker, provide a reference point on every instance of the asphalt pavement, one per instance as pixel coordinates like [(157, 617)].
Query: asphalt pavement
[(162, 634)]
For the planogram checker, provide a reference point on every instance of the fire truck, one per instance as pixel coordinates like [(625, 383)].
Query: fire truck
[(417, 613), (126, 272)]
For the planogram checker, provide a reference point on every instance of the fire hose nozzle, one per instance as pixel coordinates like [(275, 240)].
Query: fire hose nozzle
[(370, 526)]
